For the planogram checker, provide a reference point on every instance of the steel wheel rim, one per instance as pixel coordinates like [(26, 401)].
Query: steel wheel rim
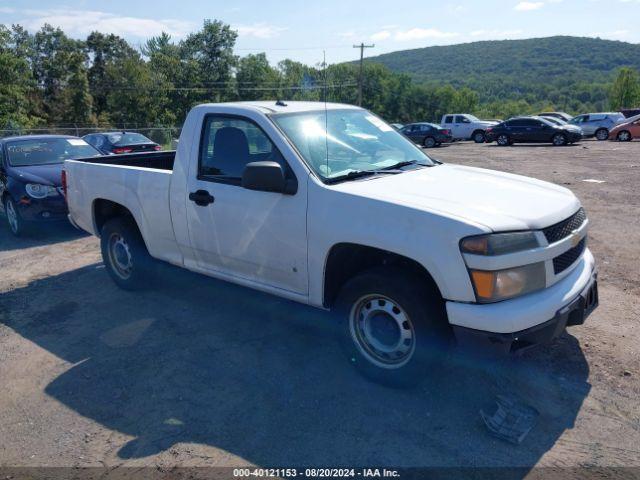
[(479, 138), (12, 216), (120, 256), (430, 142), (559, 140), (382, 331), (602, 135)]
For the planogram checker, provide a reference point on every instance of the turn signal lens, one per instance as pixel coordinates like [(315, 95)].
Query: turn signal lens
[(484, 282)]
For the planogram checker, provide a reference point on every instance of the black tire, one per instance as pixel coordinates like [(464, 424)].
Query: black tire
[(420, 311), (16, 224), (429, 142), (624, 136), (602, 134), (479, 136), (125, 255), (559, 140), (503, 140)]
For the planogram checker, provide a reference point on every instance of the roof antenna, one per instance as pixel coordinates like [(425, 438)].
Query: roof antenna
[(326, 113), (280, 103)]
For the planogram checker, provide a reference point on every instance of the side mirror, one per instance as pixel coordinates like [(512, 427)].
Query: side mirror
[(266, 177)]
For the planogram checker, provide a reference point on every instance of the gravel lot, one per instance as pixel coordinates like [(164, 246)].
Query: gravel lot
[(200, 373)]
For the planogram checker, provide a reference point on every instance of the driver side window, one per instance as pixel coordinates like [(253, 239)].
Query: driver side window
[(228, 144)]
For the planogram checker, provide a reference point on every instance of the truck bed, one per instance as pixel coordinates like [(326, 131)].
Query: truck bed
[(158, 160)]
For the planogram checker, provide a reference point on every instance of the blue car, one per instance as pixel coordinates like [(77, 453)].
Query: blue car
[(30, 177)]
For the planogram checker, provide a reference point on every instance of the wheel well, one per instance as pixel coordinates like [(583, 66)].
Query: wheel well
[(477, 130), (346, 260), (104, 210)]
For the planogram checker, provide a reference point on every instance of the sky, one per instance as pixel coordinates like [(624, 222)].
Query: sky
[(307, 30)]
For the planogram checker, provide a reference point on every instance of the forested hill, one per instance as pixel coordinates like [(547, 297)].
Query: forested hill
[(513, 68)]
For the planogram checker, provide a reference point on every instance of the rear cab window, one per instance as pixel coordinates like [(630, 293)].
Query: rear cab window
[(448, 119)]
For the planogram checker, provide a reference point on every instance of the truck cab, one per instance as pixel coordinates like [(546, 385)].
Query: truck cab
[(327, 205)]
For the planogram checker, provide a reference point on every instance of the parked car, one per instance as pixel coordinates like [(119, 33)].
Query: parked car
[(560, 122), (532, 130), (598, 124), (428, 135), (630, 112), (561, 115), (121, 142), (466, 127), (30, 183), (627, 131), (328, 205)]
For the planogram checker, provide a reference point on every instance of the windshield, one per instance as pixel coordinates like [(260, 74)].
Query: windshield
[(473, 118), (337, 142), (127, 138), (47, 151)]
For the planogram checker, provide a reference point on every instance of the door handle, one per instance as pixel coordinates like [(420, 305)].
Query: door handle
[(201, 198)]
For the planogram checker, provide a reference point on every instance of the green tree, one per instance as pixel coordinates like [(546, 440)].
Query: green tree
[(15, 84), (256, 79), (105, 50), (625, 92)]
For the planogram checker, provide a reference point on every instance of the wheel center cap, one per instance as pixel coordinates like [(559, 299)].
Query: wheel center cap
[(384, 329)]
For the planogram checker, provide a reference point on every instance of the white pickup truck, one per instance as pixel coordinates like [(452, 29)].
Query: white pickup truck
[(329, 206), (467, 127)]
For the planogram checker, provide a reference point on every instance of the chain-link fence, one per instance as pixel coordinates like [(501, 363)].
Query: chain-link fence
[(165, 136)]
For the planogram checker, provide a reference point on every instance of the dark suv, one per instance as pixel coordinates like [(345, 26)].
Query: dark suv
[(121, 142), (428, 135), (532, 130)]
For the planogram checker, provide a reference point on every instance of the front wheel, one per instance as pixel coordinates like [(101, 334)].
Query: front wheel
[(602, 134), (392, 326), (559, 139), (125, 255), (14, 220), (503, 140), (430, 142), (624, 136), (479, 137)]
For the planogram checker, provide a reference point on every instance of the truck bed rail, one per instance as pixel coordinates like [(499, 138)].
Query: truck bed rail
[(158, 160)]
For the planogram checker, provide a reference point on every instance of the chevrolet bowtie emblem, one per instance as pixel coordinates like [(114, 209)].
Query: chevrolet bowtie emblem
[(575, 238)]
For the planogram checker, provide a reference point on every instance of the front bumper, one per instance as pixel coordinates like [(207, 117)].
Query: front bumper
[(532, 319), (575, 313), (42, 210)]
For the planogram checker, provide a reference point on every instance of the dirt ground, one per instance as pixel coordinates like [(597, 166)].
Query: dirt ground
[(199, 373)]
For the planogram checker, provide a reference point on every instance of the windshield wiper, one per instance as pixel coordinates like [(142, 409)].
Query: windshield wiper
[(359, 174)]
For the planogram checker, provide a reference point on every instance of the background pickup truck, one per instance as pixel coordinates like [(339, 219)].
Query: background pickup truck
[(330, 206), (466, 127)]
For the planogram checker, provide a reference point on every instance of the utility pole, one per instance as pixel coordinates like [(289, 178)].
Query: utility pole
[(362, 46)]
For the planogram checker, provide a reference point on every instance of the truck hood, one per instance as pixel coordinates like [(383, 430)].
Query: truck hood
[(496, 200), (42, 174)]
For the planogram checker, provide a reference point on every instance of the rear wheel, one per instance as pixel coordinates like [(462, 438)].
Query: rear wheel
[(503, 140), (125, 255), (624, 136), (392, 326), (14, 220), (479, 137), (602, 134), (559, 139), (430, 142)]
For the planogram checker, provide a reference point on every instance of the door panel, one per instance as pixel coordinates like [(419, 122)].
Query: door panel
[(253, 235)]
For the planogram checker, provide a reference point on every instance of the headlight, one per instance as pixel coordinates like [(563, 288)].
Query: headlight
[(36, 190), (493, 286), (499, 243)]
